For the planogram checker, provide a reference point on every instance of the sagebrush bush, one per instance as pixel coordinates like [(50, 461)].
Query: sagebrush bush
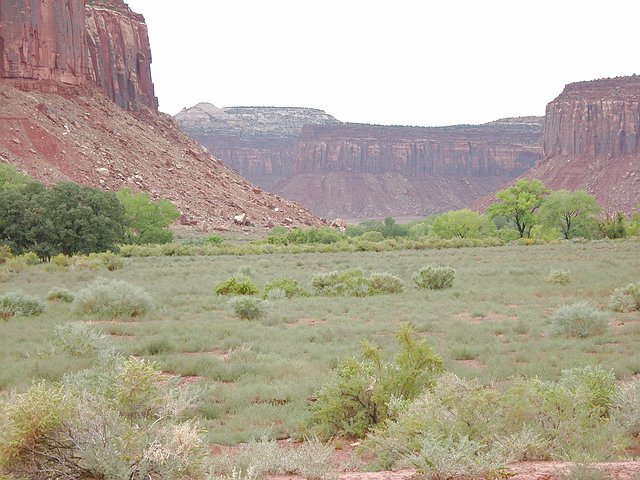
[(625, 407), (460, 423), (60, 294), (236, 286), (19, 305), (112, 299), (264, 457), (435, 277), (5, 253), (248, 308), (97, 261), (353, 283), (580, 320), (625, 299), (558, 277), (368, 391), (276, 294), (288, 286), (118, 420), (79, 339), (61, 260), (382, 283)]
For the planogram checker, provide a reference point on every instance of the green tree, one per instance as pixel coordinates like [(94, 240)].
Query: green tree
[(65, 219), (462, 224), (11, 179), (147, 220), (613, 226), (519, 204), (569, 211)]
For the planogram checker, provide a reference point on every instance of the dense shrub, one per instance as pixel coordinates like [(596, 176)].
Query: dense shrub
[(435, 277), (19, 305), (248, 308), (236, 286), (5, 253), (580, 320), (97, 261), (625, 407), (382, 283), (353, 283), (119, 420), (460, 427), (625, 299), (112, 299), (288, 286), (558, 277), (79, 339), (61, 260), (368, 391), (60, 295)]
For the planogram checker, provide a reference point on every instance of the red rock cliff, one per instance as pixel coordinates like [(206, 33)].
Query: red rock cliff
[(43, 40), (120, 55), (102, 42), (361, 171), (503, 148), (592, 141)]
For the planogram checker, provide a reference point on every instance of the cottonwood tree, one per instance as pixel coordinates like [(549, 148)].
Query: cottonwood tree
[(462, 224), (569, 211), (519, 204), (147, 220)]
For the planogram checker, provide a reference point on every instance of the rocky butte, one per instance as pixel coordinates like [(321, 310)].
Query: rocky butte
[(361, 171), (77, 103), (591, 141)]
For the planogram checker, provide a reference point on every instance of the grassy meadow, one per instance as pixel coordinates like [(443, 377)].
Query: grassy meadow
[(257, 376)]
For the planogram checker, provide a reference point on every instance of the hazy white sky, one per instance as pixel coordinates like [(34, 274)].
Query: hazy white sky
[(402, 62)]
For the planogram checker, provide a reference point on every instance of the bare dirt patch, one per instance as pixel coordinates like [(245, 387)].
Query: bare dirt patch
[(306, 322), (112, 322), (472, 363), (221, 354), (183, 380), (475, 319)]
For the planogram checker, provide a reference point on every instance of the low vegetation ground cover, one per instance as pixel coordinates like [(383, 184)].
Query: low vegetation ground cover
[(494, 325)]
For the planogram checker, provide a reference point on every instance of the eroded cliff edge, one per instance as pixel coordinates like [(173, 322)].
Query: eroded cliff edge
[(591, 141), (99, 42)]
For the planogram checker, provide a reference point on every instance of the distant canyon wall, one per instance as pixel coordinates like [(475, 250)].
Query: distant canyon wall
[(75, 42), (361, 171)]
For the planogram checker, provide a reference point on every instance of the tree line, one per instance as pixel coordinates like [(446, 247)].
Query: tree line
[(69, 218)]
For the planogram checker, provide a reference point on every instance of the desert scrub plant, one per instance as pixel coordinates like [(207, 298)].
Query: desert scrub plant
[(263, 457), (579, 320), (625, 299), (435, 277), (78, 340), (383, 283), (97, 261), (5, 253), (236, 286), (353, 283), (369, 390), (625, 407), (112, 299), (117, 420), (248, 308), (288, 286), (60, 295), (19, 305), (558, 277), (532, 420)]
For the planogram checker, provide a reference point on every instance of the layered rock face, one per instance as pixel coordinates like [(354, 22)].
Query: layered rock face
[(362, 171), (258, 142), (43, 40), (502, 148), (120, 54), (592, 142), (101, 43)]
